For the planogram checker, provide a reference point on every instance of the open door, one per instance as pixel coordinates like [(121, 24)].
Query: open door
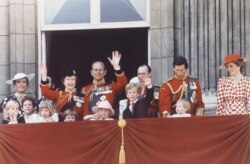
[(80, 48)]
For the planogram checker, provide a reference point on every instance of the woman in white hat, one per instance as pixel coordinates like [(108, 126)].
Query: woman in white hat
[(233, 92), (20, 83)]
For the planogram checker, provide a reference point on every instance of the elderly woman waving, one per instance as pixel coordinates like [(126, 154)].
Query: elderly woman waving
[(68, 98)]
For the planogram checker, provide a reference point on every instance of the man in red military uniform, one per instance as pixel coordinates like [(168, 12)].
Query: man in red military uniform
[(93, 92), (181, 86)]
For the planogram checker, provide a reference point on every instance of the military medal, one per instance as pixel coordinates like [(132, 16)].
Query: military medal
[(192, 85), (193, 97), (103, 90), (78, 104)]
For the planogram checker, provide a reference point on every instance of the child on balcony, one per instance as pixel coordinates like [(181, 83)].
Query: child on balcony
[(182, 107), (29, 106), (47, 113), (69, 115), (104, 111), (134, 106), (13, 117)]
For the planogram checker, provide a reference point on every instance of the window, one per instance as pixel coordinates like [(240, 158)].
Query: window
[(123, 10), (67, 11), (92, 14)]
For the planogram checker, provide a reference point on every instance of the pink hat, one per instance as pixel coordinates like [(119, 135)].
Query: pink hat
[(231, 57)]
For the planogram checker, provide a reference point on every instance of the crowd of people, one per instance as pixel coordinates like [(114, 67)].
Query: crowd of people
[(179, 96)]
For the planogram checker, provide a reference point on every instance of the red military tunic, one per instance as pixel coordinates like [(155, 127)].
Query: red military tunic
[(93, 92), (62, 98), (173, 89)]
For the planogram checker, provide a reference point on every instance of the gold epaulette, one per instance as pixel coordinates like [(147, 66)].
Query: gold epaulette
[(165, 82), (171, 78), (86, 93)]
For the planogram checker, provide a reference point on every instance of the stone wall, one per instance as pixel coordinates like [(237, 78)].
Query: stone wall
[(18, 42), (4, 46), (203, 31)]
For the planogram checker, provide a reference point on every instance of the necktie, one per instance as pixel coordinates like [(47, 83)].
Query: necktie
[(131, 108)]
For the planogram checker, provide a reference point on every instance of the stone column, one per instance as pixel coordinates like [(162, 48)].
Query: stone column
[(162, 39), (22, 39), (247, 33), (4, 47)]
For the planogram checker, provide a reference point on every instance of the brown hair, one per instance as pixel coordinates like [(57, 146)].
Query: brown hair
[(31, 99), (27, 81), (240, 63)]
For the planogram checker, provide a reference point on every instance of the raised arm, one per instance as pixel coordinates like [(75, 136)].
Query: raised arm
[(121, 80), (45, 89), (43, 71), (115, 61)]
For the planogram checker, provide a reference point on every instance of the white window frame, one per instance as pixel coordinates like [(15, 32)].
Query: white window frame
[(95, 23)]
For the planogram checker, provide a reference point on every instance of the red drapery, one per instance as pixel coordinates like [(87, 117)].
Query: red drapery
[(147, 141)]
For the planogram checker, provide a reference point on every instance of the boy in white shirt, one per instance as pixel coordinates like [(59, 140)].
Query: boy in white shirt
[(29, 106)]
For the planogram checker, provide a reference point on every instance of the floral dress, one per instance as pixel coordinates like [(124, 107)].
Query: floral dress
[(233, 99)]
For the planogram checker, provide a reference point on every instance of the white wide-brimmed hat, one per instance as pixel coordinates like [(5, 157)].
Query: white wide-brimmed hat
[(105, 104), (19, 76)]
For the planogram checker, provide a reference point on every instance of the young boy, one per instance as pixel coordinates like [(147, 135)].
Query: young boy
[(182, 107), (12, 108), (133, 106), (29, 106)]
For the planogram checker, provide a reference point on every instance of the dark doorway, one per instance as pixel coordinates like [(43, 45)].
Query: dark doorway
[(79, 49)]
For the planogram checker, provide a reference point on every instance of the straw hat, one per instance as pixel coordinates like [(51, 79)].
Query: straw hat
[(231, 57), (19, 76)]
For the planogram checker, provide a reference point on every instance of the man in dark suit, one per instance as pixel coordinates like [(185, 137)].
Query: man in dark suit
[(144, 72)]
